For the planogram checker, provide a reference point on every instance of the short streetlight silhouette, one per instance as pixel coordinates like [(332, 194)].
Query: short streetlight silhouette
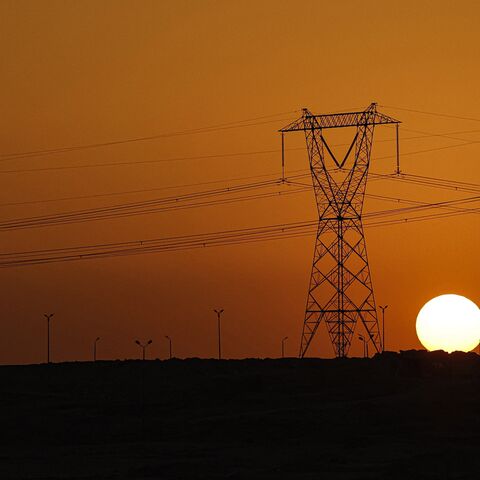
[(383, 325), (143, 346), (169, 344), (95, 349), (48, 316), (365, 346), (284, 339), (219, 314)]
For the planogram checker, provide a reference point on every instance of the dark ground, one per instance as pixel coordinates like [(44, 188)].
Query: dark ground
[(398, 416)]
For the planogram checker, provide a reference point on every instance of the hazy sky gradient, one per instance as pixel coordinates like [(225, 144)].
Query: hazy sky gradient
[(83, 72)]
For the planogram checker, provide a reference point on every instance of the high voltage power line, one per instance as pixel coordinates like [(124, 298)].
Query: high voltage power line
[(206, 129), (435, 114), (234, 237), (432, 182), (148, 206), (191, 200), (222, 196), (223, 238), (454, 185), (212, 128), (145, 190), (246, 153)]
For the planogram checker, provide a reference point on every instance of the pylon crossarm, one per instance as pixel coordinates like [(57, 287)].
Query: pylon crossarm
[(370, 116)]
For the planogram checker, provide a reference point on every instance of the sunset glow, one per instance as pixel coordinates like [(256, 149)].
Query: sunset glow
[(450, 323)]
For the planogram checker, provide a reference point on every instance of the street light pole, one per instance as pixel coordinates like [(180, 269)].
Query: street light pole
[(364, 344), (95, 349), (219, 314), (383, 325), (170, 345), (143, 346), (48, 316), (284, 339)]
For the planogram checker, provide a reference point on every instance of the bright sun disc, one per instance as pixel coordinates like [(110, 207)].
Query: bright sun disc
[(450, 323)]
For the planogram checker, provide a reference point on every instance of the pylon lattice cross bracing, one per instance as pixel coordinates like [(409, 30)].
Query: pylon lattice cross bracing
[(340, 292)]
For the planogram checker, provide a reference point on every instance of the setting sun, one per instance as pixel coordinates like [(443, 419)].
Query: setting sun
[(450, 323)]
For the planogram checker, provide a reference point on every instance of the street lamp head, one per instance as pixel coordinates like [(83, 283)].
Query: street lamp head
[(149, 342), (97, 339), (137, 342), (167, 337), (285, 338)]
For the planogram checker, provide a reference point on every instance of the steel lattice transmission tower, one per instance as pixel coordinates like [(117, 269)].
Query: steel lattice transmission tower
[(340, 292)]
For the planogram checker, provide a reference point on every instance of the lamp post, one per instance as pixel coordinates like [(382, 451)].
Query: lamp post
[(219, 314), (48, 316), (143, 346), (284, 339), (383, 326), (95, 349), (365, 346), (170, 345)]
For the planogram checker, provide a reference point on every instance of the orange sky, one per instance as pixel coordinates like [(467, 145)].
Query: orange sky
[(78, 73)]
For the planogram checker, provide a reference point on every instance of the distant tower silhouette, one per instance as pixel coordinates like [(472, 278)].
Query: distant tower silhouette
[(341, 291)]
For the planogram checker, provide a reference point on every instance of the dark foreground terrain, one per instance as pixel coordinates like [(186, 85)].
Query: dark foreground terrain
[(397, 416)]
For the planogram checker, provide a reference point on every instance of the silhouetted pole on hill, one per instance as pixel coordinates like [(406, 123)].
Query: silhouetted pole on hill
[(219, 314), (143, 346), (48, 316), (284, 339), (170, 345), (95, 349), (383, 326), (365, 346)]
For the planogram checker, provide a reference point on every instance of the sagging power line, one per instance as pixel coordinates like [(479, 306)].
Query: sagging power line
[(208, 198), (196, 241), (126, 163)]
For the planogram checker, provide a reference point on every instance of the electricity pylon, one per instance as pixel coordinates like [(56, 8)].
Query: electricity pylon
[(340, 292)]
